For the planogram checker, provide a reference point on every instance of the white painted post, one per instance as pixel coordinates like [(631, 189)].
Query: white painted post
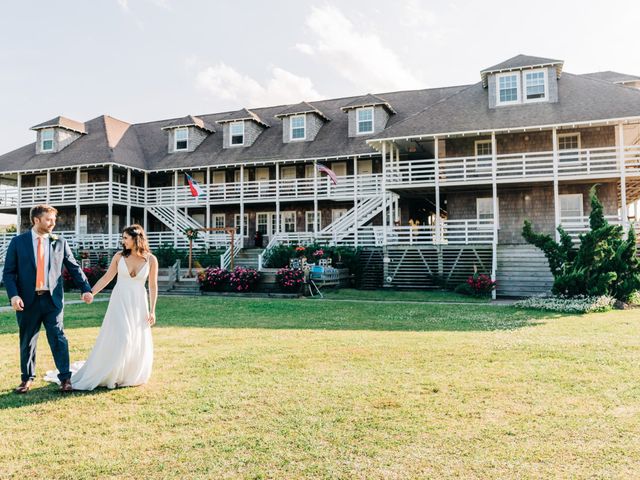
[(494, 185), (355, 201), (436, 155), (110, 209), (207, 222), (315, 199), (175, 209), (19, 204), (278, 198), (48, 186), (242, 204), (385, 231), (78, 204), (556, 191), (146, 187), (623, 178), (128, 196)]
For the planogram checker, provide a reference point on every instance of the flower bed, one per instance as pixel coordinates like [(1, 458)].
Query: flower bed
[(577, 304), (213, 279), (290, 279), (216, 279), (243, 279)]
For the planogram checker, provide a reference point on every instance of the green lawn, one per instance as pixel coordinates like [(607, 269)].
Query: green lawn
[(255, 388), (401, 295)]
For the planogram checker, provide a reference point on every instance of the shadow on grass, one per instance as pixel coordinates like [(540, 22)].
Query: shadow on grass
[(208, 312), (44, 394)]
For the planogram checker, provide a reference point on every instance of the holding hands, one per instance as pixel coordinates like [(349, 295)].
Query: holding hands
[(87, 297)]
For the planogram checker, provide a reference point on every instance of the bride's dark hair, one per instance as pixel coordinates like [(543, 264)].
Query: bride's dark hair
[(136, 232)]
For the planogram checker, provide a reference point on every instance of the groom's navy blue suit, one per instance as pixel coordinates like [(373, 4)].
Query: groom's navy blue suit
[(19, 277)]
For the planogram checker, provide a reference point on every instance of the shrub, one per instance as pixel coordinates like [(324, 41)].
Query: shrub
[(243, 279), (464, 289), (213, 279), (564, 304), (478, 284), (605, 263), (93, 274), (290, 279)]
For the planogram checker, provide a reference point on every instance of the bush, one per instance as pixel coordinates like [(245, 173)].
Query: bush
[(605, 263), (290, 279), (478, 285), (213, 279), (243, 279), (93, 274), (464, 289), (564, 304)]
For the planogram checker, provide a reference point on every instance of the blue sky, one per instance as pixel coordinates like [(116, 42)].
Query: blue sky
[(142, 60)]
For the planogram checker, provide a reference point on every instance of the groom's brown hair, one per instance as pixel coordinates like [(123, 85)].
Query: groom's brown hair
[(39, 210)]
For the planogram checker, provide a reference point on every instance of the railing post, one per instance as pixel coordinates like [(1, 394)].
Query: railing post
[(623, 178), (110, 208), (146, 189), (19, 204), (77, 203), (556, 194), (278, 198), (494, 185), (436, 154), (315, 198)]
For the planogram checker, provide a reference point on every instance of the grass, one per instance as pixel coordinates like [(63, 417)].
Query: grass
[(402, 296), (254, 388)]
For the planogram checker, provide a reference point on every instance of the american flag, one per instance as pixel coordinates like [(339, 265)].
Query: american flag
[(193, 186), (330, 173)]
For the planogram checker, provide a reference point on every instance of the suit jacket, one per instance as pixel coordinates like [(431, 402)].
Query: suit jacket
[(19, 275)]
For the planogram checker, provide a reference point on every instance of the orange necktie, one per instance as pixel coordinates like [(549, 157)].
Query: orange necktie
[(40, 266)]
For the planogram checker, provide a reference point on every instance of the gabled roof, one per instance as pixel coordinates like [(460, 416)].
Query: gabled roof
[(369, 100), (299, 109), (520, 62), (61, 122), (243, 114), (613, 77), (582, 100), (189, 121)]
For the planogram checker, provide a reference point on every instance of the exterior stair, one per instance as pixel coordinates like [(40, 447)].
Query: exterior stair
[(248, 257), (342, 227), (523, 271), (372, 269), (182, 222)]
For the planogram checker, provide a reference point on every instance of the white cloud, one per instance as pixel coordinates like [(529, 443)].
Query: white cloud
[(304, 48), (124, 4), (233, 88), (359, 56), (416, 14)]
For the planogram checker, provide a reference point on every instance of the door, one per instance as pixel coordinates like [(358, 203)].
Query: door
[(339, 168), (83, 224), (219, 177), (365, 167), (115, 224)]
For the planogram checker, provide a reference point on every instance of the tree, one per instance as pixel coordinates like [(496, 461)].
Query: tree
[(605, 263)]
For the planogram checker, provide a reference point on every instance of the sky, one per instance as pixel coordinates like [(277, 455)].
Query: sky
[(144, 60)]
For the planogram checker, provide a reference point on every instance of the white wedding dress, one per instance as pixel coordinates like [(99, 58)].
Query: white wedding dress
[(123, 353)]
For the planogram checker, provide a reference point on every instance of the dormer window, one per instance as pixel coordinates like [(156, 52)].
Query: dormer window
[(182, 139), (236, 130), (47, 140), (365, 120), (535, 86), (298, 127), (508, 88)]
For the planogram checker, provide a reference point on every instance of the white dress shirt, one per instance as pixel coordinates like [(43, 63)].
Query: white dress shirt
[(46, 245)]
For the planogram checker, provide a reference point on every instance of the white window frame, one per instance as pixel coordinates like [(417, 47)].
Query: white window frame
[(482, 142), (231, 134), (359, 131), (567, 135), (283, 223), (308, 220), (214, 220), (176, 139), (41, 181), (236, 224), (52, 139), (304, 128), (489, 200), (577, 196), (524, 86), (83, 224), (271, 222), (518, 87)]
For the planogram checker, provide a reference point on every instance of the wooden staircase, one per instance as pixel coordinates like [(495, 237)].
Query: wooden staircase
[(372, 277), (248, 257), (523, 271)]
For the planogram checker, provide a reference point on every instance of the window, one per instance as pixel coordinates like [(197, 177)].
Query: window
[(219, 176), (83, 224), (47, 140), (337, 213), (84, 177), (236, 220), (483, 148), (365, 167), (535, 86), (262, 174), (484, 208), (217, 220), (571, 207), (568, 141), (266, 223), (298, 127), (236, 130), (288, 172), (41, 181), (288, 221), (182, 138), (508, 88), (365, 120), (308, 216)]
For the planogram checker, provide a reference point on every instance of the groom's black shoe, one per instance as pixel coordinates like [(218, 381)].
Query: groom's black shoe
[(24, 387), (66, 387)]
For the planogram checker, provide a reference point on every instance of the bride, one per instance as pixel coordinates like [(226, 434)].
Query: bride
[(123, 353)]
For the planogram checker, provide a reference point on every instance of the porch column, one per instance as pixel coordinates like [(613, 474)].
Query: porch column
[(48, 186), (144, 215), (19, 204), (315, 198), (128, 196), (556, 191), (78, 204), (397, 168), (175, 209), (623, 178), (110, 209), (278, 198), (494, 186), (436, 155), (242, 204), (355, 201), (384, 194), (207, 221)]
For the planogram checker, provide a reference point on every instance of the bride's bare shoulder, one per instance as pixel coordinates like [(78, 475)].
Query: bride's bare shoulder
[(152, 259), (116, 257)]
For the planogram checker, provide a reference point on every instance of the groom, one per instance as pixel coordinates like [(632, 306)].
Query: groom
[(33, 277)]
